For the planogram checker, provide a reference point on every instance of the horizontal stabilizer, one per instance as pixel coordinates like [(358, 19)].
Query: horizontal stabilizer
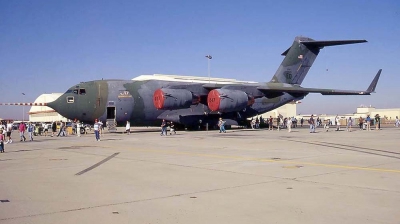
[(327, 43), (297, 90), (285, 52)]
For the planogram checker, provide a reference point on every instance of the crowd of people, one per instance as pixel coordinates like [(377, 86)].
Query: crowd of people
[(364, 123), (59, 128)]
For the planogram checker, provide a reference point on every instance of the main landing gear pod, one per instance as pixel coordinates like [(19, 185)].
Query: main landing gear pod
[(172, 99), (225, 100)]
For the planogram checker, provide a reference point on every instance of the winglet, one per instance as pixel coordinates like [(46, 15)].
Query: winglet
[(371, 88)]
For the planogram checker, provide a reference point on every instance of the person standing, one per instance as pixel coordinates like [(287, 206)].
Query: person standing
[(312, 124), (2, 139), (377, 122), (128, 127), (172, 128), (45, 129), (257, 123), (30, 131), (326, 125), (163, 127), (73, 126), (397, 124), (221, 125), (270, 124), (368, 120), (9, 129), (289, 125), (61, 131), (301, 122), (361, 122), (278, 121), (22, 129), (96, 128), (337, 121), (53, 128), (78, 128), (349, 124)]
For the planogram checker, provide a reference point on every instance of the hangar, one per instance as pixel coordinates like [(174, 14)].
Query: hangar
[(44, 113), (287, 110)]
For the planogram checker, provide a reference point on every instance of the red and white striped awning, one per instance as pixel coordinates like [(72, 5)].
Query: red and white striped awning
[(23, 104)]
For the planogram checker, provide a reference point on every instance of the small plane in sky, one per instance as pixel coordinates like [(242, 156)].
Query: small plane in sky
[(194, 101)]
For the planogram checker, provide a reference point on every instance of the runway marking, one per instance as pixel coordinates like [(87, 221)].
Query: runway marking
[(271, 160), (97, 164)]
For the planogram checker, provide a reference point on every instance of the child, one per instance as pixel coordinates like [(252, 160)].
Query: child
[(326, 125), (1, 141)]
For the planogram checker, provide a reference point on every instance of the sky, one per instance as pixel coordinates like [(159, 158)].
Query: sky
[(49, 46)]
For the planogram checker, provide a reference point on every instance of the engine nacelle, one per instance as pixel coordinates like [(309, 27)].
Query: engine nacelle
[(226, 100), (172, 99)]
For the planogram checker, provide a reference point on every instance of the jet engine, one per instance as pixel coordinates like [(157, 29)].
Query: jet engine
[(172, 99), (226, 100)]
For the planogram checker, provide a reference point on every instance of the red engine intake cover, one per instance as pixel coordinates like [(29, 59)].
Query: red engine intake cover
[(213, 100), (158, 99)]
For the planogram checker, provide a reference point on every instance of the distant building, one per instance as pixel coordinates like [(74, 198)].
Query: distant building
[(287, 110), (387, 115), (44, 113)]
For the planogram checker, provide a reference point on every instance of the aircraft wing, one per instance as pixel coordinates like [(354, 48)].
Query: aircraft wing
[(301, 91), (304, 91)]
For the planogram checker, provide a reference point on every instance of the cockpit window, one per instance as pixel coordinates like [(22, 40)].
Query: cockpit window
[(78, 91), (70, 99)]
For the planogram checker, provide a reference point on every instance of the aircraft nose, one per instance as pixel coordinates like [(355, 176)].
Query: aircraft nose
[(56, 105), (52, 105)]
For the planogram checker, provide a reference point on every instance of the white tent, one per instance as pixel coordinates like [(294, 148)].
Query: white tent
[(44, 113)]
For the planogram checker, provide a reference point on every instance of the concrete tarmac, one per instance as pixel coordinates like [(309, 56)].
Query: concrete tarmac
[(242, 176)]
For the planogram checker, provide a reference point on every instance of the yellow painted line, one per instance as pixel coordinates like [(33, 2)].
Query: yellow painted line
[(241, 158)]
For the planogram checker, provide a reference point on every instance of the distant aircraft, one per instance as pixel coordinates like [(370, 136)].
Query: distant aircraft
[(194, 101)]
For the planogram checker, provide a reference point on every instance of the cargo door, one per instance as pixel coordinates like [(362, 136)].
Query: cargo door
[(111, 118)]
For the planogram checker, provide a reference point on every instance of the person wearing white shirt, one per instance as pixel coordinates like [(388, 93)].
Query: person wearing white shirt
[(9, 129), (96, 128), (337, 121), (78, 128), (289, 124)]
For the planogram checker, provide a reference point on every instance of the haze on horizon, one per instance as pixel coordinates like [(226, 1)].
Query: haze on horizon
[(49, 46)]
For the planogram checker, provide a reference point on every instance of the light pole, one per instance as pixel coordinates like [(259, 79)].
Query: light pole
[(209, 58), (23, 107)]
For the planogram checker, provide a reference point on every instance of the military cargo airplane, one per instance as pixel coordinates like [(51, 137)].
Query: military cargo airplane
[(194, 101)]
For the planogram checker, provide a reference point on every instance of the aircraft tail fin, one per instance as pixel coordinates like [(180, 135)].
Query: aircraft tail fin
[(300, 57), (372, 86)]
